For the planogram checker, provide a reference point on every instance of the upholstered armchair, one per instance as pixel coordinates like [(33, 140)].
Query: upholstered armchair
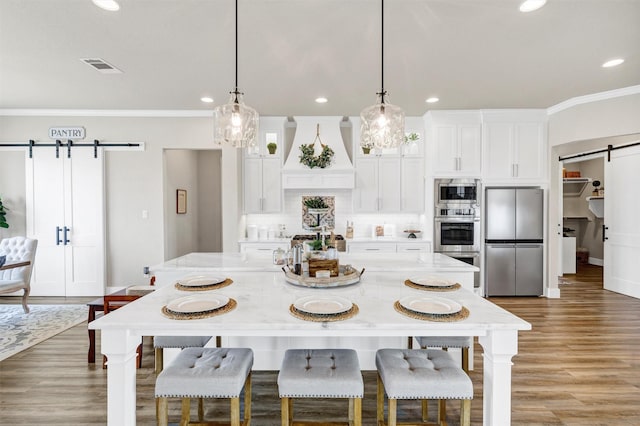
[(17, 249)]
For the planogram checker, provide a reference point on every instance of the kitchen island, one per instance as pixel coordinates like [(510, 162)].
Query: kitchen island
[(169, 272), (262, 315)]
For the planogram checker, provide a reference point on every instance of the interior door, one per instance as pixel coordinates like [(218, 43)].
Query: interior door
[(65, 212), (622, 227)]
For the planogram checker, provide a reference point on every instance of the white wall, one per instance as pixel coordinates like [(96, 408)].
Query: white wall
[(12, 191), (209, 201), (578, 129), (133, 181)]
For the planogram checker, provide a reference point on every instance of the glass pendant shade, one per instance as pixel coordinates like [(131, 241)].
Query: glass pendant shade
[(382, 125), (236, 124)]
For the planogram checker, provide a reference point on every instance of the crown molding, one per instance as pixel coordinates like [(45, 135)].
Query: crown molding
[(595, 97), (104, 113)]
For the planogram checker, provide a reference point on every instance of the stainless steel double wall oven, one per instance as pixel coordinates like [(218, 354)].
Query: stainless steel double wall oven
[(457, 220)]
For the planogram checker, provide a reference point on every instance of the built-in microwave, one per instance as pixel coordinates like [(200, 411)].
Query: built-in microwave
[(457, 191)]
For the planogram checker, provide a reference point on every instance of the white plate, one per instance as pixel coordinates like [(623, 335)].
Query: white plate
[(431, 305), (200, 280), (322, 304), (197, 303), (432, 281)]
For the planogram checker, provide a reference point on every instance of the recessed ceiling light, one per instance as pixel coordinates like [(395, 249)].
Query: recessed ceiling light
[(206, 99), (110, 5), (322, 100), (613, 63), (432, 100), (531, 5)]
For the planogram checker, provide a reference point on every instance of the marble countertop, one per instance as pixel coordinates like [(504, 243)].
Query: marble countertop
[(263, 302), (262, 262)]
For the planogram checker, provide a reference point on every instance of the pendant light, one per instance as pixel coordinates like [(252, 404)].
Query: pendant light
[(382, 124), (235, 123)]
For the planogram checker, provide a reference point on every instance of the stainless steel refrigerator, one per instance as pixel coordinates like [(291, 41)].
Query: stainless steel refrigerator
[(514, 244)]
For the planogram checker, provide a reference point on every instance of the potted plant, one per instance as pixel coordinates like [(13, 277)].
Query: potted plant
[(271, 146), (411, 138), (366, 147), (3, 216)]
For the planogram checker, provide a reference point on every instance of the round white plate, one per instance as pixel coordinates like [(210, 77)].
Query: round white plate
[(322, 304), (431, 305), (200, 280), (432, 281), (197, 303)]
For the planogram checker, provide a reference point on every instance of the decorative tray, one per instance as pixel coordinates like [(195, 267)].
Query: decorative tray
[(347, 276)]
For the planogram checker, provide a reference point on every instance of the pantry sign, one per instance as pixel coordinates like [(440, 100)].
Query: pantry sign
[(66, 133)]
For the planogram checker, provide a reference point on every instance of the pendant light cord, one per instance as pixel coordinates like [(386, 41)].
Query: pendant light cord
[(236, 89), (381, 49)]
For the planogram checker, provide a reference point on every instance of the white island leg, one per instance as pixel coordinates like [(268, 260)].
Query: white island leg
[(499, 347), (120, 348)]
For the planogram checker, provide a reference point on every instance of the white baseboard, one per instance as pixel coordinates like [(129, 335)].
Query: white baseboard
[(596, 261), (552, 293)]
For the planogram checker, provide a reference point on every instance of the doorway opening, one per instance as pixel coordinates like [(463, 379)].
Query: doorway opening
[(196, 224)]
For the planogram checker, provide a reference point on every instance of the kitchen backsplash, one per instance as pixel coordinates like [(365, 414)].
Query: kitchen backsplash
[(291, 216)]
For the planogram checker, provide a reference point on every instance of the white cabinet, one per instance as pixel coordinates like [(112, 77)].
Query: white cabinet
[(65, 212), (391, 246), (266, 247), (378, 181), (456, 141), (412, 185), (514, 146), (422, 247), (262, 178)]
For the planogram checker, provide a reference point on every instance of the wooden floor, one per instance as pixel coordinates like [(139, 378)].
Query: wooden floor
[(580, 365)]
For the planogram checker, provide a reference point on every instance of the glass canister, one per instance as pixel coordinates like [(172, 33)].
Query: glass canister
[(279, 256)]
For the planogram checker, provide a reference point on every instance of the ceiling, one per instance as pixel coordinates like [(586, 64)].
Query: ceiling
[(472, 54)]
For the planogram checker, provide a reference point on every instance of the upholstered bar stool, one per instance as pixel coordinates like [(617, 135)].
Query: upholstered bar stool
[(160, 343), (421, 374), (446, 342), (206, 373), (321, 373)]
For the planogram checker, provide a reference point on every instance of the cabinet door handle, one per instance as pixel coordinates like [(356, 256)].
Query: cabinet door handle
[(604, 233), (66, 239), (58, 240), (372, 249)]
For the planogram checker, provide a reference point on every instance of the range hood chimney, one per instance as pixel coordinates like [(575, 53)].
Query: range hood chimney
[(338, 175)]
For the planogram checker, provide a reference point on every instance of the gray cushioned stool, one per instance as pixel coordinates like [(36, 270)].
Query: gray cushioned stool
[(421, 374), (446, 342), (321, 373), (180, 342), (206, 373)]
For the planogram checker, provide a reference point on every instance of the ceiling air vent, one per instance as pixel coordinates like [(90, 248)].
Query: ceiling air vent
[(101, 65)]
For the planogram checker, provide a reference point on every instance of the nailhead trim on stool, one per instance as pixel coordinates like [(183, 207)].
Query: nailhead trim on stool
[(321, 373), (446, 342), (207, 373), (421, 374)]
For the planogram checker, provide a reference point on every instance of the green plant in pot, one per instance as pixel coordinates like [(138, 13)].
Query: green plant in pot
[(366, 148), (315, 203), (3, 216), (271, 146)]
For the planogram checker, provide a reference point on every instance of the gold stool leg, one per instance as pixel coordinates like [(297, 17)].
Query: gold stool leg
[(357, 408), (235, 411), (425, 410), (247, 400), (162, 411), (159, 359), (393, 411), (442, 411), (186, 411), (200, 409), (465, 412), (465, 360), (380, 401), (284, 411)]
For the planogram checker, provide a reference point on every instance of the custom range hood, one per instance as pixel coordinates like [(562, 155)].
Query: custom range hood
[(318, 130)]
